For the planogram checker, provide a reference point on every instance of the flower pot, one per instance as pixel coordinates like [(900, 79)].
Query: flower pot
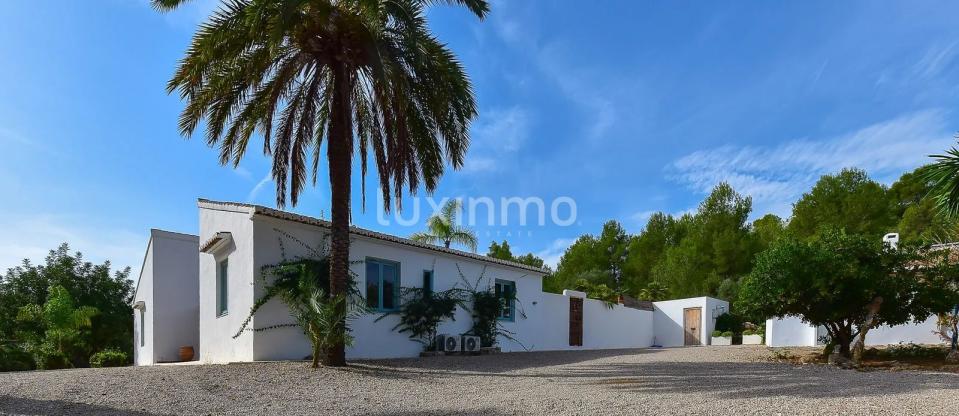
[(752, 339), (721, 341), (186, 353)]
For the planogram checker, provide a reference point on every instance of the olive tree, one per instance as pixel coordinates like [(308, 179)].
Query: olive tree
[(846, 283)]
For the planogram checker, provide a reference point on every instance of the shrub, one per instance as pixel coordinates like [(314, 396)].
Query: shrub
[(717, 334), (14, 358), (906, 351), (729, 322), (109, 358), (48, 357), (728, 334), (422, 312)]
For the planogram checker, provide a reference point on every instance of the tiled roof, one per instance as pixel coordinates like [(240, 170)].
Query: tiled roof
[(275, 213)]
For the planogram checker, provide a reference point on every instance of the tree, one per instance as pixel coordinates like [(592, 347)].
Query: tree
[(767, 230), (62, 324), (654, 291), (364, 76), (648, 249), (848, 200), (593, 258), (716, 246), (500, 251), (844, 282), (443, 228), (503, 252), (87, 284)]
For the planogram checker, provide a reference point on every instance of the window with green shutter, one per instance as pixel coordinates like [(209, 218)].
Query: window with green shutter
[(382, 285), (506, 292), (222, 287)]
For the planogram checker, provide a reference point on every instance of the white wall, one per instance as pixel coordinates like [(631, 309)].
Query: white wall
[(668, 319), (916, 333), (541, 319), (792, 332), (143, 355), (216, 332), (168, 288)]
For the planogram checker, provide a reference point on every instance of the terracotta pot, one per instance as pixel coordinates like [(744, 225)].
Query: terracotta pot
[(186, 353)]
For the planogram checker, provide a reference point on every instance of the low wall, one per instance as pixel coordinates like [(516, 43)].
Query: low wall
[(792, 332)]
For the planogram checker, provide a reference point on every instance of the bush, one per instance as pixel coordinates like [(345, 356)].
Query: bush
[(717, 334), (109, 358), (48, 357), (906, 351), (14, 358), (729, 322), (728, 334)]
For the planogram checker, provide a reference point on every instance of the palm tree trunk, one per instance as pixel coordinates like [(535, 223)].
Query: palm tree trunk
[(340, 154)]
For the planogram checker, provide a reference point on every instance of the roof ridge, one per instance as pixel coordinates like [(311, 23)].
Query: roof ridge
[(292, 216)]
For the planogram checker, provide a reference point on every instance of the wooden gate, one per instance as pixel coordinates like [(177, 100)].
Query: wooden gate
[(576, 322), (692, 325)]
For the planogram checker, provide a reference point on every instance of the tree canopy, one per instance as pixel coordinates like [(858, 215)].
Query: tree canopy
[(832, 280), (849, 200), (86, 284)]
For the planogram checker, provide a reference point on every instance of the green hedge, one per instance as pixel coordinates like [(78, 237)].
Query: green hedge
[(109, 358)]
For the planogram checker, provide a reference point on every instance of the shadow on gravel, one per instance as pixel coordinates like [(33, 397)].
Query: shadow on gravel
[(496, 364), (23, 406), (753, 380), (487, 411)]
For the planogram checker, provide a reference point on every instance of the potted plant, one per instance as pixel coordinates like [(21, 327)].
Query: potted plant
[(722, 338), (752, 337)]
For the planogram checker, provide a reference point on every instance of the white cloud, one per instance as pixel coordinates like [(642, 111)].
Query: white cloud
[(34, 236), (552, 253), (505, 129), (776, 176), (497, 134), (579, 83), (251, 197)]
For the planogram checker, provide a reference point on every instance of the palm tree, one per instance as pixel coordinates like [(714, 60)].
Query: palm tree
[(442, 228), (364, 75), (944, 175)]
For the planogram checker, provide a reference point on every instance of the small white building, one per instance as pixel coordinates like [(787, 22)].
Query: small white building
[(166, 298), (685, 322), (237, 240)]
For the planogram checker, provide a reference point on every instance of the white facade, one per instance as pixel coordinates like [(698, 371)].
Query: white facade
[(793, 332), (166, 299), (198, 291), (668, 325)]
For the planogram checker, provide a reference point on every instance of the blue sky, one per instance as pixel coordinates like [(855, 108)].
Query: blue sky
[(626, 107)]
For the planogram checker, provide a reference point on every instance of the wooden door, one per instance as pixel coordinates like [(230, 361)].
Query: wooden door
[(576, 322), (692, 325)]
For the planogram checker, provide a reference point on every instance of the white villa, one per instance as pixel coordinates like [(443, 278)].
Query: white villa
[(197, 290)]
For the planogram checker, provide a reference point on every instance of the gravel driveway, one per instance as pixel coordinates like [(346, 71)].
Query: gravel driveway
[(705, 380)]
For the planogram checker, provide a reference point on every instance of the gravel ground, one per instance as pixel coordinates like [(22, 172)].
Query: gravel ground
[(704, 380)]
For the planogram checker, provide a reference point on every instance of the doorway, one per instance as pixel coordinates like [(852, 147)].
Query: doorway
[(576, 322), (692, 325)]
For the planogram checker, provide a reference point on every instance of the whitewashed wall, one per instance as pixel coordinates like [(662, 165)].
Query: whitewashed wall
[(216, 342), (789, 331), (168, 287), (541, 319), (668, 319), (792, 332), (143, 355)]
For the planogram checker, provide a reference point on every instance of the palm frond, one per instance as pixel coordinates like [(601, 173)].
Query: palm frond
[(944, 176)]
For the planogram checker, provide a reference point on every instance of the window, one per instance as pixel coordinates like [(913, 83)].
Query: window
[(427, 281), (222, 287), (382, 285), (506, 291), (143, 333)]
